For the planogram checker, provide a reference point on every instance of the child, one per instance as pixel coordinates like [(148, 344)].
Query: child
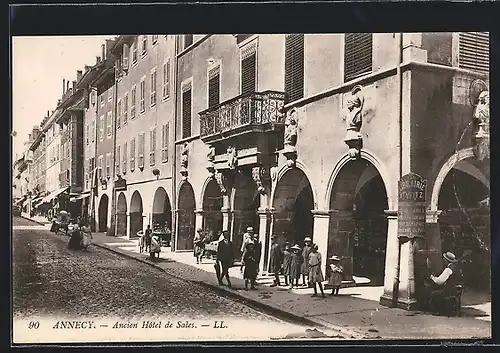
[(251, 265), (335, 278), (315, 273), (295, 265), (305, 264), (287, 258)]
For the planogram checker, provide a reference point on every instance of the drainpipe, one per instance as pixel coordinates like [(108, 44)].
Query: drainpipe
[(399, 74), (174, 157), (94, 171), (113, 126)]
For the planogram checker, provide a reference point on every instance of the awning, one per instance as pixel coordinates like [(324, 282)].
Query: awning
[(80, 197), (54, 194)]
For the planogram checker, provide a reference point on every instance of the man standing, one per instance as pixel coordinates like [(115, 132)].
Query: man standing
[(224, 258), (147, 238), (275, 260), (247, 238)]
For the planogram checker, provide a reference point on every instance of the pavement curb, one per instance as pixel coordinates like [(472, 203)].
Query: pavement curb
[(32, 220), (252, 302)]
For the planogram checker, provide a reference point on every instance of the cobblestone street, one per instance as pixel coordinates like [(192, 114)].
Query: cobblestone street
[(51, 280)]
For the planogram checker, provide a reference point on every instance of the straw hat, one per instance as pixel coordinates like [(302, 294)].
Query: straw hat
[(295, 247), (449, 256), (249, 229), (334, 258), (307, 239)]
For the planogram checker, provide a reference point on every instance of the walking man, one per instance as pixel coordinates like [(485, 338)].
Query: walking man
[(224, 258)]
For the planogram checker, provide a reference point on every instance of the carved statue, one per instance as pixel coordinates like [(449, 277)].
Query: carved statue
[(261, 178), (354, 108), (184, 155), (211, 154), (482, 114), (232, 160), (290, 138), (219, 177)]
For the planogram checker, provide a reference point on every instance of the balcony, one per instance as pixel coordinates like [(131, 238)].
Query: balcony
[(254, 112)]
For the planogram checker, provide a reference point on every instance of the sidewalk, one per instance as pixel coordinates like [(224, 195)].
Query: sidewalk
[(356, 312)]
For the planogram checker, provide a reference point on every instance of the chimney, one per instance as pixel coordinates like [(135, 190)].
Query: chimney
[(87, 68), (103, 48), (79, 75), (74, 86), (67, 86), (59, 101), (48, 114), (64, 86), (97, 59)]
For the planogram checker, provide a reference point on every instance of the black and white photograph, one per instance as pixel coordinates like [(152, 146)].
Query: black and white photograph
[(251, 187)]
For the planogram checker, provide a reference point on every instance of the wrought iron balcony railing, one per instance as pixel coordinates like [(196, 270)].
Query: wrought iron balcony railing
[(248, 110)]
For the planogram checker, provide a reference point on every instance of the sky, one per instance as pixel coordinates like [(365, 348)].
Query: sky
[(39, 64)]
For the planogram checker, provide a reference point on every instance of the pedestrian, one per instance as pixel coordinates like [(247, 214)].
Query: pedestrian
[(247, 238), (287, 262), (258, 250), (224, 258), (86, 238), (295, 265), (75, 238), (335, 277), (305, 263), (154, 247), (315, 273), (275, 260), (199, 245), (147, 238), (251, 265)]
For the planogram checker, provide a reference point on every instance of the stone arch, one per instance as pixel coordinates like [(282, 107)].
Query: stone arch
[(186, 217), (162, 208), (211, 203), (136, 214), (121, 215), (103, 213)]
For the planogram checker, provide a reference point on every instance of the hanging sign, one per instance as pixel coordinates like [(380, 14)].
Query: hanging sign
[(411, 206)]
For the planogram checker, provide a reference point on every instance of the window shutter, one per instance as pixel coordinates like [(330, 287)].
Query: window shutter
[(118, 159), (125, 109), (167, 83), (248, 71), (119, 113), (132, 155), (294, 66), (473, 51), (214, 88), (126, 51), (124, 168), (357, 55), (186, 114)]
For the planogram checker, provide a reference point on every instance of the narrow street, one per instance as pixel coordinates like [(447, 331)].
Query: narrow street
[(50, 280)]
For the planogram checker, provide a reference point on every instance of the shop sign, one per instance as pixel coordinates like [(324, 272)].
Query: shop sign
[(411, 206)]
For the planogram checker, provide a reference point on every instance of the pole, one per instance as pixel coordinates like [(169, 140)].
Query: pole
[(173, 207), (113, 126)]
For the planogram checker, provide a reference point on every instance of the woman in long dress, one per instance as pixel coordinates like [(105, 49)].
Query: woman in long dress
[(335, 277), (315, 273), (305, 264), (155, 248), (86, 236)]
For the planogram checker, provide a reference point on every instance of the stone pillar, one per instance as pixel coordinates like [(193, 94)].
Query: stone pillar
[(199, 219), (226, 213), (340, 241), (266, 244), (406, 294), (391, 277), (434, 239), (127, 219), (176, 232), (264, 218), (320, 234)]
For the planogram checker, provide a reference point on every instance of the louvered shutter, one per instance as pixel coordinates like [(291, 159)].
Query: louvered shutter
[(248, 70), (473, 52), (294, 66), (186, 114), (118, 160), (124, 169), (213, 89), (357, 55)]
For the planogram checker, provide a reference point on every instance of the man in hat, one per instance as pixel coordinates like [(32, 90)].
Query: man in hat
[(275, 261), (305, 264), (247, 238), (224, 258), (199, 245), (446, 282)]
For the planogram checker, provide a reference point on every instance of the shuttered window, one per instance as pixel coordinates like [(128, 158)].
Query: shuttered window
[(473, 51), (108, 165), (118, 159), (214, 87), (186, 114), (248, 73), (357, 55), (125, 109), (142, 142), (294, 66), (166, 79), (152, 147), (124, 168), (164, 143), (132, 155), (118, 113)]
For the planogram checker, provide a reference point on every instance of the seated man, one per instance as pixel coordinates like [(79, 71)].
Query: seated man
[(445, 283)]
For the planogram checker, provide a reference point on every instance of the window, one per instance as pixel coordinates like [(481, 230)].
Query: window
[(92, 97), (118, 113), (248, 70), (110, 94), (118, 160), (294, 66), (87, 128), (164, 143), (474, 51), (108, 165), (93, 130), (144, 45), (166, 79), (134, 52), (142, 105), (188, 40), (152, 95), (186, 113), (125, 109), (132, 155), (132, 102), (141, 142), (109, 121), (101, 127), (154, 39), (124, 168), (152, 146), (101, 99), (357, 55), (214, 87), (99, 166)]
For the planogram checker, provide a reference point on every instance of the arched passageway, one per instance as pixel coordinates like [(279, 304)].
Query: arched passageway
[(358, 225), (121, 215), (293, 203), (212, 204), (246, 203), (465, 219), (186, 218), (162, 209), (136, 218), (103, 214)]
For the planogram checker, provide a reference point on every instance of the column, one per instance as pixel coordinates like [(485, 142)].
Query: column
[(199, 219), (321, 225), (226, 213), (391, 277), (176, 232), (127, 219), (263, 226), (266, 245), (406, 294)]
